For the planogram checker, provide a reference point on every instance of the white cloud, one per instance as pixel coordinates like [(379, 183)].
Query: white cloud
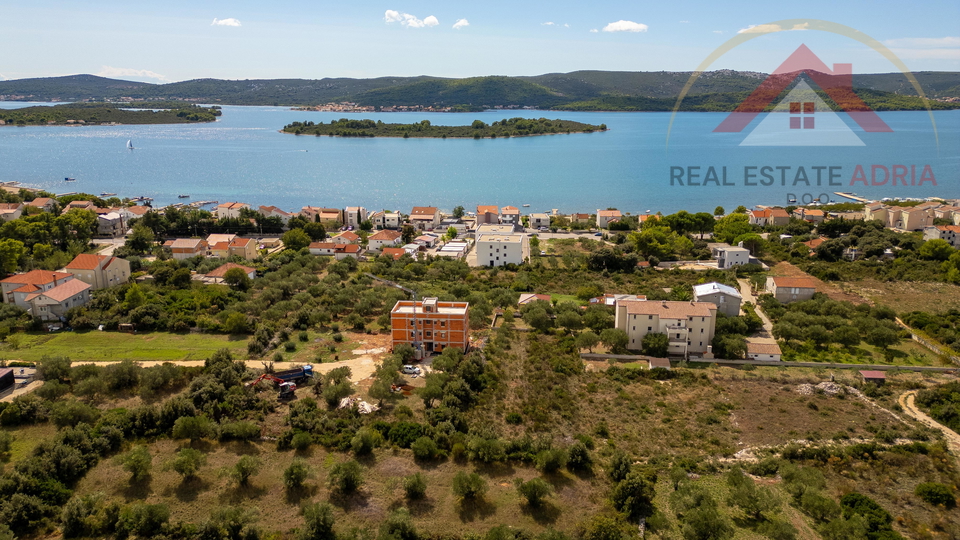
[(225, 22), (625, 26), (924, 42), (718, 31), (684, 22), (565, 25), (593, 30), (548, 24), (113, 72), (408, 20), (460, 24)]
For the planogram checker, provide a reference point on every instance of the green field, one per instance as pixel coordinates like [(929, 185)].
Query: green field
[(105, 346)]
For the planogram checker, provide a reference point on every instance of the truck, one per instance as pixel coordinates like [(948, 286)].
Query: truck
[(297, 375)]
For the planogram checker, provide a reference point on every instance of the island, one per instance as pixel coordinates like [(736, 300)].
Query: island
[(478, 129), (100, 113)]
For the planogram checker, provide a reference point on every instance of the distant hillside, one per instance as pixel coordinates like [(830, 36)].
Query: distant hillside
[(578, 90)]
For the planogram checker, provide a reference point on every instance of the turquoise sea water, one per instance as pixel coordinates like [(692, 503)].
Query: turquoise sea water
[(243, 157)]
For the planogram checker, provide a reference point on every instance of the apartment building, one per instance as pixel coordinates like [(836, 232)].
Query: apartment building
[(432, 324)]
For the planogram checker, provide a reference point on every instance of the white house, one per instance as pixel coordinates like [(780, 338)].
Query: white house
[(539, 220), (353, 216), (499, 245), (384, 238), (604, 217), (726, 298), (273, 211), (728, 257), (950, 233), (230, 209)]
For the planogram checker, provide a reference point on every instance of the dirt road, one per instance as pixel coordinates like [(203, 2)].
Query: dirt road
[(953, 439), (765, 335)]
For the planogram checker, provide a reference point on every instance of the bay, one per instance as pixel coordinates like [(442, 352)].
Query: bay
[(243, 157)]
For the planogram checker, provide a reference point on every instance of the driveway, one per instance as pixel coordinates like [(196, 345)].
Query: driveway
[(765, 335), (953, 439)]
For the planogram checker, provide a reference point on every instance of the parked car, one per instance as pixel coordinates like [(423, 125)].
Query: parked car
[(411, 370), (598, 234)]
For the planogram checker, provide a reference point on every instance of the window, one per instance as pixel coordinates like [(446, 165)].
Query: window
[(443, 324), (804, 118), (649, 329), (650, 317)]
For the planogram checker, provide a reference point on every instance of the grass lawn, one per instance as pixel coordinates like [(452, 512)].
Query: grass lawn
[(103, 346), (566, 298)]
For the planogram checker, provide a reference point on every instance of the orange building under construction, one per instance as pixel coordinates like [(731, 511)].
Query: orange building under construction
[(434, 324)]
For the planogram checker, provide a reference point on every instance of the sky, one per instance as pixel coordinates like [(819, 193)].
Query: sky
[(241, 39)]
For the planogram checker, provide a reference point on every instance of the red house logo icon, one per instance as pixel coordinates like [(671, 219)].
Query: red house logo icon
[(836, 83)]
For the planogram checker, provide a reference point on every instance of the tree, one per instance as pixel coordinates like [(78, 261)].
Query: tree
[(705, 523), (615, 339), (534, 491), (634, 494), (458, 212), (346, 477), (745, 495), (451, 232), (141, 239), (587, 340), (620, 466), (137, 462), (318, 522), (237, 279), (187, 462), (296, 474), (469, 486), (407, 233), (728, 228), (578, 457), (570, 320), (538, 319), (719, 211), (54, 368), (316, 231), (655, 344), (883, 337), (936, 250), (295, 239), (246, 467), (134, 297), (365, 441)]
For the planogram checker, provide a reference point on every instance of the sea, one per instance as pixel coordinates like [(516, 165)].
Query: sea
[(656, 162)]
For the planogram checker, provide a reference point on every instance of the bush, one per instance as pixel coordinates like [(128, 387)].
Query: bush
[(469, 486), (187, 462), (534, 491), (137, 462), (346, 477), (296, 474), (365, 441), (550, 460), (193, 428), (634, 494), (415, 486), (399, 526), (514, 418), (6, 441), (246, 467), (52, 390), (620, 466), (318, 522), (301, 441), (936, 494), (142, 520), (578, 458), (241, 431), (425, 448), (73, 412), (303, 336)]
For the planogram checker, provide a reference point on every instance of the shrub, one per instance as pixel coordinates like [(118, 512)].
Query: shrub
[(337, 337), (634, 494), (578, 458), (514, 418), (72, 412), (142, 520), (241, 431), (550, 460), (534, 491), (52, 390), (245, 467), (425, 448), (365, 441), (54, 368), (137, 462), (469, 486), (187, 462), (399, 526), (346, 477), (296, 474), (193, 428), (290, 346), (620, 466), (301, 441), (6, 441), (318, 522), (415, 486), (936, 494)]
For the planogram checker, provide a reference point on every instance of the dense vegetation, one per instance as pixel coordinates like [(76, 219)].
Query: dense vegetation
[(943, 404), (587, 90), (513, 127), (101, 113)]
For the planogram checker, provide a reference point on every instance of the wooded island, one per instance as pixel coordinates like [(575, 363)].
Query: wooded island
[(109, 113), (513, 127)]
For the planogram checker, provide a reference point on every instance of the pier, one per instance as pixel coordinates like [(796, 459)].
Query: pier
[(852, 196)]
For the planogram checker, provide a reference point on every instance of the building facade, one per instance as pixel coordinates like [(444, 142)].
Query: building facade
[(726, 298), (791, 289), (499, 245), (689, 326), (431, 324), (99, 271)]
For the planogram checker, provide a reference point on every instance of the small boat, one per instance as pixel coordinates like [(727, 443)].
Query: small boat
[(792, 200), (526, 206), (181, 196), (105, 194), (68, 179), (129, 145)]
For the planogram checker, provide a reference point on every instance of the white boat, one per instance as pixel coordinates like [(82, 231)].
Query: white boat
[(526, 206), (129, 145), (69, 179)]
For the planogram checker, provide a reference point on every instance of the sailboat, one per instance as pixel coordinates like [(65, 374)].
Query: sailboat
[(129, 145)]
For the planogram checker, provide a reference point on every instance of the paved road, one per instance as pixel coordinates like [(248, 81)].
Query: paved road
[(907, 402)]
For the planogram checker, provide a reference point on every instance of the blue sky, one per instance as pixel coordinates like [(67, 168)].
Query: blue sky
[(240, 39)]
